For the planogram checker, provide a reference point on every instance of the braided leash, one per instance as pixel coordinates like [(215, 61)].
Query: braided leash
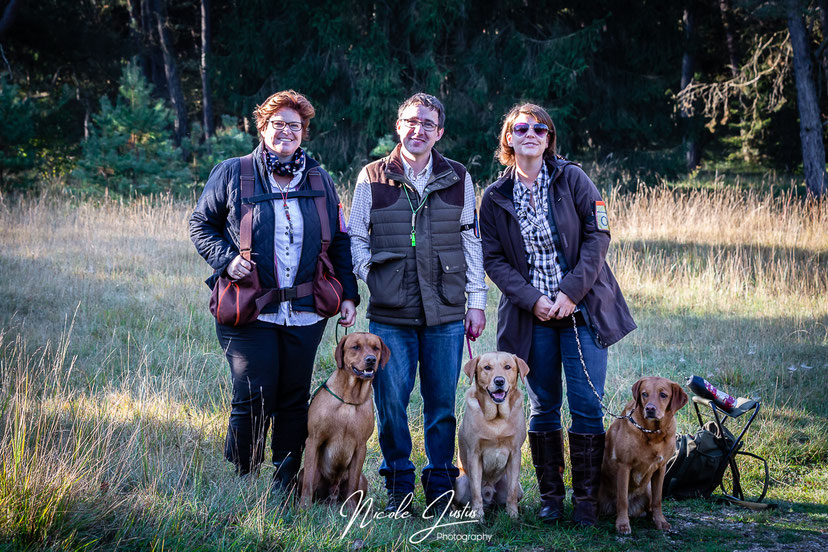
[(600, 401)]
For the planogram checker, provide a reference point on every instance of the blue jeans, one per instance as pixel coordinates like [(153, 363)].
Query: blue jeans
[(552, 348), (439, 350)]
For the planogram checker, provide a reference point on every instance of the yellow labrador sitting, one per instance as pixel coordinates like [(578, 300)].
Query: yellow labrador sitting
[(491, 434), (340, 421)]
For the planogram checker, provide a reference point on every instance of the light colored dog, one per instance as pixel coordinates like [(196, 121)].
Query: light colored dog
[(491, 434), (635, 461), (340, 421)]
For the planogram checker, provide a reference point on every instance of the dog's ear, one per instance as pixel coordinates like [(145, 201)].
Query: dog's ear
[(679, 398), (386, 353), (636, 391), (471, 367), (523, 368), (339, 353)]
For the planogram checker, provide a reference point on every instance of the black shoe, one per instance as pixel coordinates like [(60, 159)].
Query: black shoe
[(438, 504), (399, 501), (285, 477)]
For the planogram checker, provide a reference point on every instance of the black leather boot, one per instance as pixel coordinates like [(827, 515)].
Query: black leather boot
[(547, 456), (586, 453), (287, 466)]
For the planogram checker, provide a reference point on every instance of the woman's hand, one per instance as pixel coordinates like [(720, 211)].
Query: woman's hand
[(239, 268), (542, 308), (562, 307), (348, 313)]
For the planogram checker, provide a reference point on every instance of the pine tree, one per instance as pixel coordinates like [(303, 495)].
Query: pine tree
[(130, 149), (17, 131)]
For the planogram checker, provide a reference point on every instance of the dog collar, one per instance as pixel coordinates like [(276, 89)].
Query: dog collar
[(337, 397), (636, 424)]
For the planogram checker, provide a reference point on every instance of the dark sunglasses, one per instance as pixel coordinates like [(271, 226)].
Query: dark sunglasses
[(522, 128)]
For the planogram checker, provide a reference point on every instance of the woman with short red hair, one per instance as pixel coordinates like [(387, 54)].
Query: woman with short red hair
[(271, 359)]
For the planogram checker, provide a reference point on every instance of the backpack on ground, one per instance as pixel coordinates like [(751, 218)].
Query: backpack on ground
[(702, 459)]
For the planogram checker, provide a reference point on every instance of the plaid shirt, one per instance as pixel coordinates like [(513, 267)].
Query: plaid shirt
[(544, 270)]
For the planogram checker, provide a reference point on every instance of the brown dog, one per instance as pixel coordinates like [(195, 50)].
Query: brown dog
[(634, 461), (491, 433), (340, 421)]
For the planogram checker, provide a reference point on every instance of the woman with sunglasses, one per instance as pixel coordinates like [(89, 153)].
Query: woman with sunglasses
[(271, 359), (545, 236)]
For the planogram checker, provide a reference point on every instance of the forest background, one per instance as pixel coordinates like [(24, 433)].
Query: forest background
[(644, 88), (701, 121)]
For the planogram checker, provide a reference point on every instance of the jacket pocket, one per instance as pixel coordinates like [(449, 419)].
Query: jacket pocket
[(385, 279), (452, 287)]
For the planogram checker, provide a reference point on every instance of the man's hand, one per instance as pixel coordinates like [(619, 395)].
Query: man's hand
[(475, 323), (562, 307), (348, 313)]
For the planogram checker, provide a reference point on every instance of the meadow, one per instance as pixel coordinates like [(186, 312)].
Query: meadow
[(114, 393)]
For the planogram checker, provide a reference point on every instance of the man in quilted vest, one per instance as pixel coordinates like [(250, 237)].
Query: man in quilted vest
[(414, 242)]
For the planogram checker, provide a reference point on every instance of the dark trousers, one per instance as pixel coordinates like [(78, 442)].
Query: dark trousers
[(271, 366)]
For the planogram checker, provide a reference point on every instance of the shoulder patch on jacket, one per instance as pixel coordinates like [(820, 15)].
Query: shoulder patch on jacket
[(601, 218)]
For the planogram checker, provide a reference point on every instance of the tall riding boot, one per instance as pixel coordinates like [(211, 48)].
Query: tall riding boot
[(547, 456), (586, 453), (287, 466)]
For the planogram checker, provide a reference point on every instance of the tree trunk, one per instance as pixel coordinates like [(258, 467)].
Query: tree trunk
[(155, 71), (810, 129), (730, 40), (8, 17), (823, 20), (692, 150), (171, 71), (207, 98)]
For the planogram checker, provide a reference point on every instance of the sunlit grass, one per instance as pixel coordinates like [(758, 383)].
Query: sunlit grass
[(115, 392)]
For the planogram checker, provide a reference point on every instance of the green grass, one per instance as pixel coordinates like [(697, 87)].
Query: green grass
[(115, 393)]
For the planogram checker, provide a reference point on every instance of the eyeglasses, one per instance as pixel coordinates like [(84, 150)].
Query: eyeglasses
[(280, 125), (521, 129), (428, 126)]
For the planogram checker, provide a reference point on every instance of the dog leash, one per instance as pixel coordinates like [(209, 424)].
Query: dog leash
[(469, 339), (336, 332), (628, 417)]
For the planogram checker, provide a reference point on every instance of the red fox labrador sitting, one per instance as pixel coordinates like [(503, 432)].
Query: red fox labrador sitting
[(634, 460), (340, 421)]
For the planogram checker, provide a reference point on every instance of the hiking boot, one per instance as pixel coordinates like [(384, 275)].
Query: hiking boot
[(436, 505), (399, 501), (284, 479)]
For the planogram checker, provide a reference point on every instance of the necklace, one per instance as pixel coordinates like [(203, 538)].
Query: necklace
[(284, 193)]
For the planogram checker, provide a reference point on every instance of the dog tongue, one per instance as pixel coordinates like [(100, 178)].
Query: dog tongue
[(499, 395)]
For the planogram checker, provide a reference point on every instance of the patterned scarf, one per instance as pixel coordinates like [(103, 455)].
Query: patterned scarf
[(288, 168)]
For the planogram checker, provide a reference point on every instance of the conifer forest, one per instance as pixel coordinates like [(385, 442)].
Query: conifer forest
[(144, 96)]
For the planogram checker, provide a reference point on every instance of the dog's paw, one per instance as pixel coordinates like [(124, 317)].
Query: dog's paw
[(622, 527), (478, 513), (512, 511), (662, 524)]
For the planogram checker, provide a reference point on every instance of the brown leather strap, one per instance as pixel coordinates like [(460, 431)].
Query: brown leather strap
[(247, 185), (316, 184), (285, 294)]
